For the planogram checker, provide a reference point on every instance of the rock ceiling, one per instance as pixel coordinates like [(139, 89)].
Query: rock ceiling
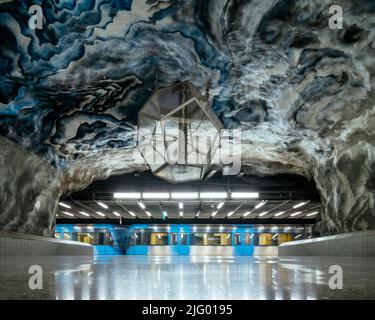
[(302, 93)]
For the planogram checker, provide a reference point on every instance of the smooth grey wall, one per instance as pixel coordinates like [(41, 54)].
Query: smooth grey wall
[(357, 244), (15, 244)]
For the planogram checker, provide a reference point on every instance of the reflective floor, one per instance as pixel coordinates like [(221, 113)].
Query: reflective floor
[(196, 278)]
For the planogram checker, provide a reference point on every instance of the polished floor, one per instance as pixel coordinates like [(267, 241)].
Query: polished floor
[(196, 278)]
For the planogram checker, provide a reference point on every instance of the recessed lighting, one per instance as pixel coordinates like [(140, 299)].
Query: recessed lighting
[(213, 195), (220, 205), (279, 213), (184, 195), (116, 213), (103, 205), (296, 213), (155, 195), (312, 214), (68, 214), (300, 205), (261, 204), (245, 195), (84, 213), (181, 205), (64, 205), (141, 204), (127, 195), (132, 213), (263, 214), (100, 213)]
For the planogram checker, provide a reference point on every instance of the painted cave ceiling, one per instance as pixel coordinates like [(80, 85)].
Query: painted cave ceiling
[(301, 93)]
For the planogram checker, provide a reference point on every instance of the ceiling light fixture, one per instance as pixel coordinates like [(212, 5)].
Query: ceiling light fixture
[(116, 213), (127, 195), (64, 205), (279, 213), (103, 205), (244, 195), (132, 213), (141, 204), (296, 213), (263, 214), (213, 195), (247, 213), (148, 213), (100, 213), (312, 214), (214, 214), (220, 205), (300, 205), (261, 204), (68, 214), (181, 214), (275, 235), (181, 205), (184, 195), (155, 195), (297, 236), (84, 213), (230, 213)]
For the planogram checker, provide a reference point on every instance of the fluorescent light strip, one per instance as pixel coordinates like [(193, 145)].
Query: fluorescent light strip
[(100, 213), (103, 205), (296, 213), (184, 195), (261, 204), (181, 205), (247, 213), (64, 205), (181, 214), (214, 214), (84, 213), (213, 195), (127, 195), (275, 235), (68, 214), (141, 204), (300, 205), (148, 213), (312, 214), (220, 205), (263, 213), (244, 195), (116, 214), (155, 195), (230, 213), (279, 214), (297, 236), (132, 213)]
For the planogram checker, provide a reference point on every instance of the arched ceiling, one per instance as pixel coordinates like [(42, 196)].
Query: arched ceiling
[(302, 94)]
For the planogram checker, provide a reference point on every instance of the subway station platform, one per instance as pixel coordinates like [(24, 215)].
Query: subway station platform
[(187, 277)]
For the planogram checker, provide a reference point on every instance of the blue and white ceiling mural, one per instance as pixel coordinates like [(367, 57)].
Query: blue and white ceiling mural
[(300, 89)]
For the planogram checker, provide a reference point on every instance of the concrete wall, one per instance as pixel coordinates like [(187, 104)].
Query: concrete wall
[(15, 244), (358, 244)]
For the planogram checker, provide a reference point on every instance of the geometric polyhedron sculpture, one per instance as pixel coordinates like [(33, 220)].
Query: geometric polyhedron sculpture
[(178, 133)]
